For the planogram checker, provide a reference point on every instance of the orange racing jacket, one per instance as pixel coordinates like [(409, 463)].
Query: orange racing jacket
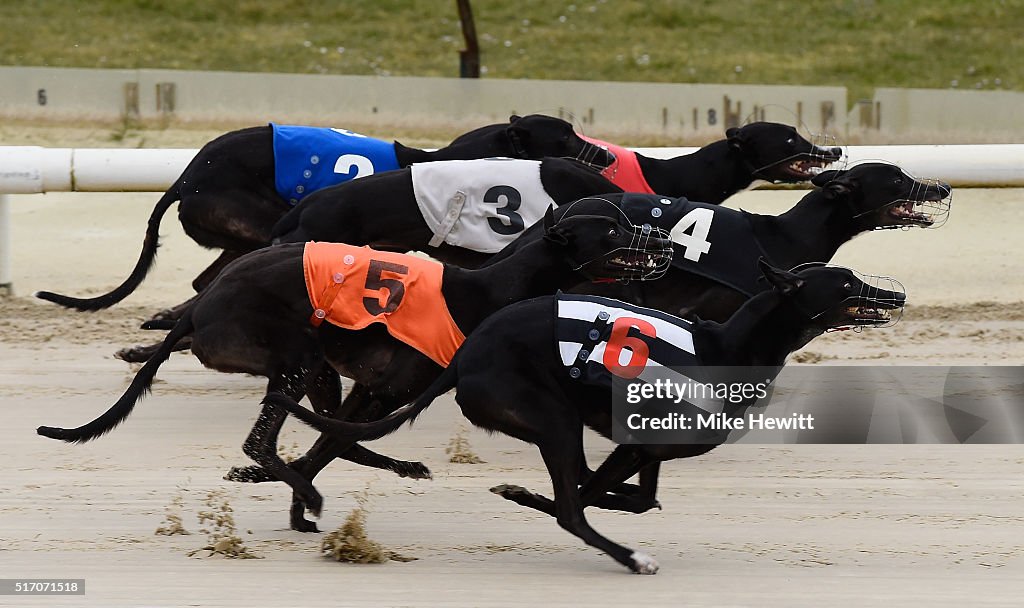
[(352, 287)]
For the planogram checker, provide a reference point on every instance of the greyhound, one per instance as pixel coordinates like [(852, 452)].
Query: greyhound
[(546, 354), (241, 183), (263, 316), (713, 286), (766, 151)]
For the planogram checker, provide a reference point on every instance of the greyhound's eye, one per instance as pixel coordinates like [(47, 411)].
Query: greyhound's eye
[(614, 232), (848, 286), (899, 181), (791, 141)]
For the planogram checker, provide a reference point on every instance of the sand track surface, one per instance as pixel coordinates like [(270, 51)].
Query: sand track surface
[(743, 525)]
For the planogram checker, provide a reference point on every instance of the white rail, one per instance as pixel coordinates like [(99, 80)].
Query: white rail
[(34, 169)]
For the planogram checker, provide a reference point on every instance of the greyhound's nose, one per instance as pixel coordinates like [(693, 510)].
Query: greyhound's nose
[(901, 299), (939, 191), (835, 151)]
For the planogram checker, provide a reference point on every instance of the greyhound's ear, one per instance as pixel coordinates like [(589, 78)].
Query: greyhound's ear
[(735, 138), (785, 282), (519, 136), (549, 218), (823, 178), (552, 232), (514, 118), (833, 183), (557, 236)]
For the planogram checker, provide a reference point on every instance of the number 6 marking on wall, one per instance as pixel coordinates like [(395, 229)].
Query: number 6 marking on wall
[(347, 162), (639, 352)]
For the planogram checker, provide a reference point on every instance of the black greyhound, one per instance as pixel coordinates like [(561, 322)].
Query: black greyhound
[(257, 318), (767, 151), (229, 197), (546, 399), (845, 203)]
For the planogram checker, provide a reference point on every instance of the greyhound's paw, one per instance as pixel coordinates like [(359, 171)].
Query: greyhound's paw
[(643, 563), (249, 474), (296, 519), (412, 470), (304, 525), (133, 354), (509, 491)]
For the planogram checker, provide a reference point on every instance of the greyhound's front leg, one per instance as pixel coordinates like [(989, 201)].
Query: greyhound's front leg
[(261, 446), (562, 453), (361, 406)]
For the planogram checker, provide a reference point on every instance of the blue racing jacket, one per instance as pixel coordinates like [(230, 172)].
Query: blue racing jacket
[(307, 159)]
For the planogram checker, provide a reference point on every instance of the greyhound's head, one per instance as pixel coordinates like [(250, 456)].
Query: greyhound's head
[(537, 136), (881, 195), (778, 153), (607, 246), (833, 297)]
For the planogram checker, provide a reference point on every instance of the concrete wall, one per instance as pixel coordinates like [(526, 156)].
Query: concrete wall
[(946, 110), (650, 107), (960, 114), (608, 107)]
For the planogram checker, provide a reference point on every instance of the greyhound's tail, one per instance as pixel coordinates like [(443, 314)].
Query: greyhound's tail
[(140, 386), (146, 258), (368, 431)]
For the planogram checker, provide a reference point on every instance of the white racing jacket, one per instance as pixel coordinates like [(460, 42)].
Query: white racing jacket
[(481, 205)]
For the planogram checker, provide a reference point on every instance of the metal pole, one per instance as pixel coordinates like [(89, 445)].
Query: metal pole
[(469, 58), (6, 288)]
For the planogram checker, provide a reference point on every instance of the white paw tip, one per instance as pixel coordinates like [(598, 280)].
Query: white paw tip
[(643, 563)]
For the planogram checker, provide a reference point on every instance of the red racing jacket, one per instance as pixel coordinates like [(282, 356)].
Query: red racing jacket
[(625, 171)]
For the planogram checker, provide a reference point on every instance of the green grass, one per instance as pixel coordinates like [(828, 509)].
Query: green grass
[(860, 44)]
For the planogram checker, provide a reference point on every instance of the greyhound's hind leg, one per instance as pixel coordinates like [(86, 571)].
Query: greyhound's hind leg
[(324, 449), (600, 490)]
